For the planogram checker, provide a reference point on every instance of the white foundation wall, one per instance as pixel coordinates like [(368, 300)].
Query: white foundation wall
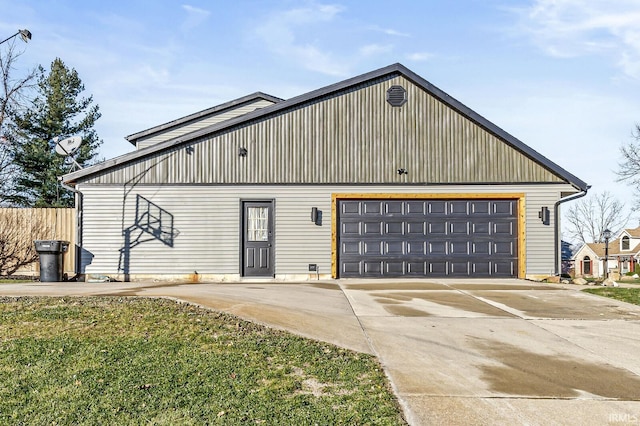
[(204, 239)]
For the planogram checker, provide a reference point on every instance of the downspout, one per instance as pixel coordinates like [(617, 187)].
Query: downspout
[(78, 248), (556, 218)]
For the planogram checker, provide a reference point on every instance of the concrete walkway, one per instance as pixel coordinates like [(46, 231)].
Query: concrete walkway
[(456, 351)]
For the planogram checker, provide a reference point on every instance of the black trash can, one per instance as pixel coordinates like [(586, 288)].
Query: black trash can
[(51, 254)]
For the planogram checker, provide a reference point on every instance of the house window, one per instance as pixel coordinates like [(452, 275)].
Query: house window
[(625, 243), (586, 265)]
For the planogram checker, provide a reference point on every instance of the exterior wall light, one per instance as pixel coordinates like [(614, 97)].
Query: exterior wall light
[(316, 216), (544, 215)]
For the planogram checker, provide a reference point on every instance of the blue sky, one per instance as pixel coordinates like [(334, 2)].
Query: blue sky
[(563, 76)]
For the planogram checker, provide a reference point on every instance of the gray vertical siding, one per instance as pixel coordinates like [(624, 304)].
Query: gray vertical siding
[(353, 136), (206, 221)]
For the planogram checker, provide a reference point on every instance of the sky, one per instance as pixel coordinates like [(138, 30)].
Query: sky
[(563, 76)]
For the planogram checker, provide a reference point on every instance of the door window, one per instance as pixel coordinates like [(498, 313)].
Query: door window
[(257, 224)]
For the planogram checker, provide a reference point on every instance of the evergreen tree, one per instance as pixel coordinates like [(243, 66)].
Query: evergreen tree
[(58, 110)]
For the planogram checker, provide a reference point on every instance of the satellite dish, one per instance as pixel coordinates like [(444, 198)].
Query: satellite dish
[(68, 146)]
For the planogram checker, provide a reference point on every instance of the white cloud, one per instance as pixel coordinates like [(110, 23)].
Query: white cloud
[(629, 64), (375, 49), (324, 38), (419, 56), (315, 59), (389, 31), (195, 16), (569, 28), (284, 33), (392, 32)]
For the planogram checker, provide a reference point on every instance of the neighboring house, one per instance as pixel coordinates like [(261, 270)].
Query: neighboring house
[(624, 255), (380, 175)]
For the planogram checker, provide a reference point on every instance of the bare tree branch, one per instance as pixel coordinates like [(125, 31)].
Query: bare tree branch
[(589, 217), (13, 92)]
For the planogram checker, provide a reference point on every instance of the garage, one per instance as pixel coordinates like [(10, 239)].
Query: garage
[(381, 175), (428, 238)]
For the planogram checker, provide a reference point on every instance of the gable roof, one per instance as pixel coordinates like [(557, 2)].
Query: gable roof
[(614, 249), (133, 138), (296, 102), (633, 232)]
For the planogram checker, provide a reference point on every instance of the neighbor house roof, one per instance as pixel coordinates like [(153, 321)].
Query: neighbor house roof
[(634, 232), (614, 249), (296, 102)]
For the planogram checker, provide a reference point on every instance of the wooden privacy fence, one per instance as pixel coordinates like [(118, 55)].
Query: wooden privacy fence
[(19, 227)]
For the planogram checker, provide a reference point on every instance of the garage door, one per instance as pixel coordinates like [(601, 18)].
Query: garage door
[(427, 238)]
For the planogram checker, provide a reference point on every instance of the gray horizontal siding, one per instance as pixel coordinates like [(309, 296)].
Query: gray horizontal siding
[(207, 219), (201, 123), (540, 237), (201, 224), (352, 137), (298, 240)]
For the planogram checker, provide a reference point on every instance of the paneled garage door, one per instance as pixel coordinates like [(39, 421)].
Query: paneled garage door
[(427, 238)]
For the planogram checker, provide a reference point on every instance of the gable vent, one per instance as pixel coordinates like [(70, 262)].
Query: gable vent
[(396, 96)]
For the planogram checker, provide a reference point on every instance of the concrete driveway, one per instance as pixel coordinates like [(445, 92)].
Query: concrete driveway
[(504, 352), (456, 351)]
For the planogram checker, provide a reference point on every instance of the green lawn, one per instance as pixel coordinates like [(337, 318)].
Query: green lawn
[(631, 295), (153, 361)]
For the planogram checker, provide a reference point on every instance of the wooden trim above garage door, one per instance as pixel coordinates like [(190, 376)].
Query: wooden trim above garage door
[(520, 197)]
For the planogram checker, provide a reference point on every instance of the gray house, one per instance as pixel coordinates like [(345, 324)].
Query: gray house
[(380, 175)]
